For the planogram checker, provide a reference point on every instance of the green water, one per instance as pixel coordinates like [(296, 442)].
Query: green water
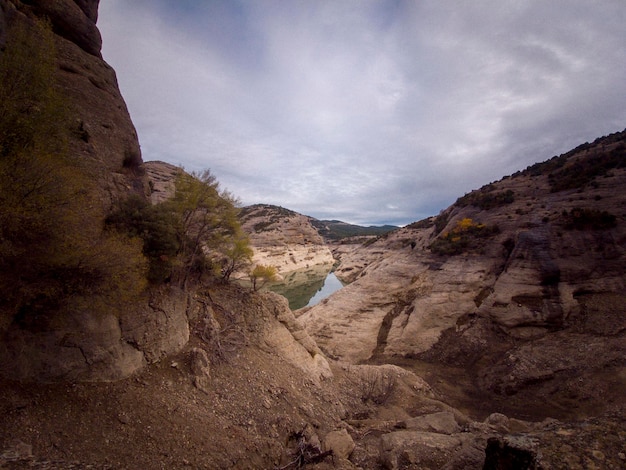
[(307, 287)]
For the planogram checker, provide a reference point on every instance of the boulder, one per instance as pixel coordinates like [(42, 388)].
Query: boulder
[(419, 449), (160, 326), (287, 338), (442, 422), (81, 347), (340, 442), (200, 368)]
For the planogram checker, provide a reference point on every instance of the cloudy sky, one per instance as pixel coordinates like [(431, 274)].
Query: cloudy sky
[(371, 112)]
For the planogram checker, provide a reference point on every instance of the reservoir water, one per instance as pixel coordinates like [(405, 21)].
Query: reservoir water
[(331, 284), (306, 288)]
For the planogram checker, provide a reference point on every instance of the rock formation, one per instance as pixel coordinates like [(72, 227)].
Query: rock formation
[(520, 283), (284, 239), (103, 132), (103, 139), (459, 341), (161, 179)]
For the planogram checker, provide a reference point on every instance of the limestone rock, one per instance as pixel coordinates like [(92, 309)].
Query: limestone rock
[(529, 306), (200, 368), (162, 179), (418, 449), (340, 442), (284, 239), (289, 339), (103, 135), (74, 20), (442, 422), (83, 347), (161, 327), (15, 451)]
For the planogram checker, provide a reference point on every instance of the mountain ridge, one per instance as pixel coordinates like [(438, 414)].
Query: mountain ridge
[(331, 230)]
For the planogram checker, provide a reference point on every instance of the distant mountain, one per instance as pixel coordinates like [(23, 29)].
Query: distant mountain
[(337, 230), (283, 238), (265, 220)]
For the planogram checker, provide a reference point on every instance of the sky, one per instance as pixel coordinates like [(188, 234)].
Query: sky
[(368, 111)]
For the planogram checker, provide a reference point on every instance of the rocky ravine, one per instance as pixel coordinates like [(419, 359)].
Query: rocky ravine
[(251, 390), (227, 378)]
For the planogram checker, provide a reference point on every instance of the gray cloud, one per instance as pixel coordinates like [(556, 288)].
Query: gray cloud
[(368, 111)]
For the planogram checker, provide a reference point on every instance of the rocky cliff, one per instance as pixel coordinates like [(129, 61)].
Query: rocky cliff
[(284, 239), (520, 284), (101, 140), (103, 133)]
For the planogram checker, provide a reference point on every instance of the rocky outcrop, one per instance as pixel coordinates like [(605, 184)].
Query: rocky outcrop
[(293, 342), (85, 347), (82, 345), (284, 239), (159, 327), (103, 135), (74, 21), (528, 297), (162, 180)]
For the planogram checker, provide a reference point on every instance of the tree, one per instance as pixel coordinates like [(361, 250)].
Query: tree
[(261, 275), (207, 225), (238, 255)]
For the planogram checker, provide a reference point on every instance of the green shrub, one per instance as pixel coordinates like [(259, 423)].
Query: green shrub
[(589, 219), (486, 199), (156, 227)]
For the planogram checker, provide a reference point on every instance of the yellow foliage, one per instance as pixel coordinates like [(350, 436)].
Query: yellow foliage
[(264, 274), (464, 224)]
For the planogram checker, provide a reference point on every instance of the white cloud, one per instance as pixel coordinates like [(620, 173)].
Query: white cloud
[(383, 112)]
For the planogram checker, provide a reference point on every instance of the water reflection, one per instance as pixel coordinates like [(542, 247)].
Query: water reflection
[(307, 287), (331, 284)]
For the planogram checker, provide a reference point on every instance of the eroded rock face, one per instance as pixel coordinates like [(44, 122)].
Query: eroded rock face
[(102, 133), (284, 239), (291, 341), (160, 326), (82, 348), (162, 180), (535, 305), (73, 20), (81, 345)]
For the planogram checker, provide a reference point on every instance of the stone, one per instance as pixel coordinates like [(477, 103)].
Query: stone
[(16, 450), (442, 422), (284, 239), (200, 368), (85, 347), (161, 326), (162, 178), (340, 442), (419, 449), (290, 340), (538, 291)]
